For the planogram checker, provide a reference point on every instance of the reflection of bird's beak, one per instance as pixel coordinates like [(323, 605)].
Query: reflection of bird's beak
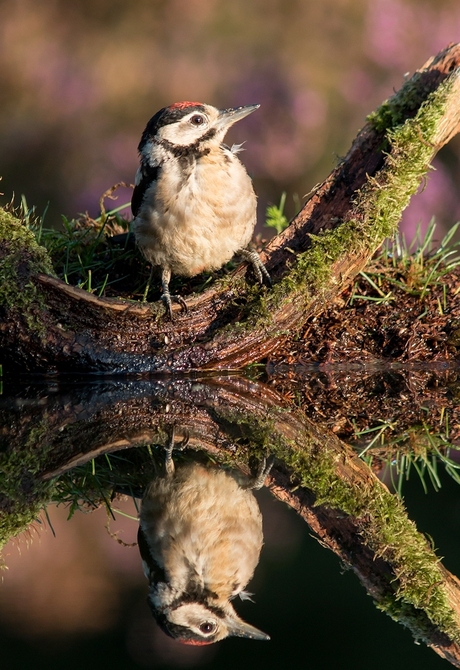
[(240, 628), (227, 117)]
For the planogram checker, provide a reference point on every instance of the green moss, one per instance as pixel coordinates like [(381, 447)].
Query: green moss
[(386, 530), (21, 514), (401, 106), (23, 495), (20, 257)]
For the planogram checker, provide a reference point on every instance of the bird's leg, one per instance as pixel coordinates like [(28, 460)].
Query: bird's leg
[(259, 268), (147, 288), (263, 470), (170, 446), (167, 297)]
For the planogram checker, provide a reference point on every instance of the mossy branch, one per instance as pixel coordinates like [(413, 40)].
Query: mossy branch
[(49, 325)]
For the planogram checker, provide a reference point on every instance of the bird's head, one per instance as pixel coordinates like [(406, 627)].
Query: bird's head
[(191, 124), (197, 624)]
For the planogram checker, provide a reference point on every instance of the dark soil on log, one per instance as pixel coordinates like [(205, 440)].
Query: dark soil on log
[(395, 361)]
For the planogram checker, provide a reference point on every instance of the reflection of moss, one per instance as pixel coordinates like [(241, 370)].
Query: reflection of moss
[(20, 256), (21, 514), (18, 511), (414, 593), (22, 495)]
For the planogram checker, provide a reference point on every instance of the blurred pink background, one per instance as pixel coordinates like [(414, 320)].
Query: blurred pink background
[(78, 82)]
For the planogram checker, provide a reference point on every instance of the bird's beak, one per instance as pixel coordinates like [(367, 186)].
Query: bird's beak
[(227, 117), (239, 628)]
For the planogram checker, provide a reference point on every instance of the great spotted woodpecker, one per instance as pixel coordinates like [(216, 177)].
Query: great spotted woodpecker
[(193, 203)]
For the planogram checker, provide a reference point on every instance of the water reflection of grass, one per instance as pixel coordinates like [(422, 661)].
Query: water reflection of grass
[(418, 449)]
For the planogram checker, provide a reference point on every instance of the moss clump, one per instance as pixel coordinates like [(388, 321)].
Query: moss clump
[(401, 106), (21, 514), (386, 530), (23, 493), (20, 257)]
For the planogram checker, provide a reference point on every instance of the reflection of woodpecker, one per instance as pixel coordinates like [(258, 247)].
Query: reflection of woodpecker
[(200, 537)]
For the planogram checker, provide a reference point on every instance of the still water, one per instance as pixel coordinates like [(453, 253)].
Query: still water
[(74, 593)]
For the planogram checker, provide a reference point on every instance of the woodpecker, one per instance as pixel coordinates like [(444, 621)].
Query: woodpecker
[(200, 537), (193, 203)]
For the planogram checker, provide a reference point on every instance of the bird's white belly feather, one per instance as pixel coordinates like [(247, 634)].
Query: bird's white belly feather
[(203, 519), (197, 221)]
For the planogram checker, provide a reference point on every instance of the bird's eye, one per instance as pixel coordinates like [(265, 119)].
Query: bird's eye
[(207, 627), (197, 120)]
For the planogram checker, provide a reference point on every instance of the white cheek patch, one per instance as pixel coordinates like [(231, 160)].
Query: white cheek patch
[(181, 134), (190, 614)]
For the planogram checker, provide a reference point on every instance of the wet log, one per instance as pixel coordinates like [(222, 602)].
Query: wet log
[(47, 325)]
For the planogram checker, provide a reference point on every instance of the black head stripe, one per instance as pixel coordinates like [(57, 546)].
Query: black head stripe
[(178, 632), (164, 117), (176, 113), (189, 152)]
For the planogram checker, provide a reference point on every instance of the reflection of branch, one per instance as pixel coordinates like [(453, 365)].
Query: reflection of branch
[(50, 324), (351, 511)]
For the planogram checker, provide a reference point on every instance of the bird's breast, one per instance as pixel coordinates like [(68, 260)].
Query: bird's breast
[(197, 217), (202, 526)]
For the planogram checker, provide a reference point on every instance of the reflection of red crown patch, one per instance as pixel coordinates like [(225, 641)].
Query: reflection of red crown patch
[(182, 105)]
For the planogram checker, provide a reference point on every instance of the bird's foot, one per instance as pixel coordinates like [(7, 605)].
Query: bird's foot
[(168, 299), (171, 445), (263, 471), (259, 268)]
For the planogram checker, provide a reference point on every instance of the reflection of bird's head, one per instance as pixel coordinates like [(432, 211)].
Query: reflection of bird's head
[(197, 623), (200, 537)]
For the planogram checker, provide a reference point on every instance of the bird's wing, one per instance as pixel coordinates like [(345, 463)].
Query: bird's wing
[(146, 176), (152, 570)]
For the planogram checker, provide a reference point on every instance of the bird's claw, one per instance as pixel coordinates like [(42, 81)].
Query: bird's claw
[(263, 470), (168, 299), (171, 445), (259, 268)]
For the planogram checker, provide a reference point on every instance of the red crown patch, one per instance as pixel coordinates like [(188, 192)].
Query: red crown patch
[(182, 105)]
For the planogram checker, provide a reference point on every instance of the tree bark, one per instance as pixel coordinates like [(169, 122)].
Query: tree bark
[(57, 327)]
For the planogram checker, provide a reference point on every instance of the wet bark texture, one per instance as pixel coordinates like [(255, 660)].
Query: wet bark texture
[(76, 331)]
